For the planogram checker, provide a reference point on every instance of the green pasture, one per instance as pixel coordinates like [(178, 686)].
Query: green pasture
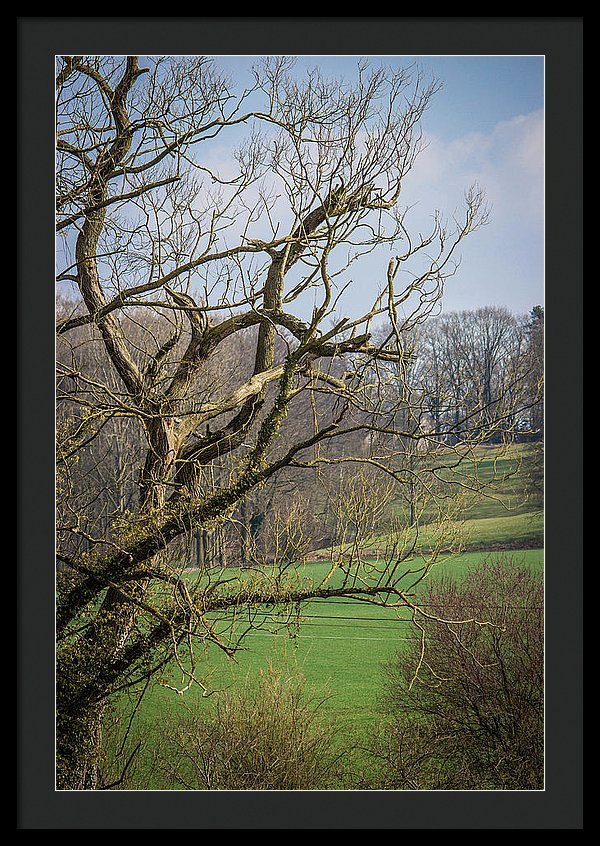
[(498, 491), (339, 645), (511, 478), (505, 531)]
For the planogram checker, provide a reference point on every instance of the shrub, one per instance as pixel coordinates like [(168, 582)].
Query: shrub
[(465, 701), (264, 736)]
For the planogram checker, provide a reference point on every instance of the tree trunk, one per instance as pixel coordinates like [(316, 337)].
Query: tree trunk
[(86, 673), (79, 747)]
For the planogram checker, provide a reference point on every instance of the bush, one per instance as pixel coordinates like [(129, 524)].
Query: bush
[(465, 701), (264, 736)]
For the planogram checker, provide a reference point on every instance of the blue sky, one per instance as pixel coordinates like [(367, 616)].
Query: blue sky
[(485, 125)]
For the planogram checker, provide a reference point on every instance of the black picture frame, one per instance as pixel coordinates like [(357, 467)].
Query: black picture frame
[(560, 41)]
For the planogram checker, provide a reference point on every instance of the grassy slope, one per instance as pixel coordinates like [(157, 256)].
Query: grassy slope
[(507, 511)]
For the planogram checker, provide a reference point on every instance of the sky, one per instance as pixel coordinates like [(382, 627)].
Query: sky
[(485, 125)]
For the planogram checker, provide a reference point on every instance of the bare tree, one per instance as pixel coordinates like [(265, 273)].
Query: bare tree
[(471, 363), (212, 300), (466, 700)]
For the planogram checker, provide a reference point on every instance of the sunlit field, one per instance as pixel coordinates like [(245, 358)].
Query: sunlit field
[(337, 645)]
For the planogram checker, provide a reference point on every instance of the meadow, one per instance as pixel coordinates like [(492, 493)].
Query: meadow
[(339, 645)]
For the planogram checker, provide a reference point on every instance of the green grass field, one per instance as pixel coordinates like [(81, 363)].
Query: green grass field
[(338, 645)]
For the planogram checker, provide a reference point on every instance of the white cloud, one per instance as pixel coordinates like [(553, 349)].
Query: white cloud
[(507, 163), (504, 262)]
